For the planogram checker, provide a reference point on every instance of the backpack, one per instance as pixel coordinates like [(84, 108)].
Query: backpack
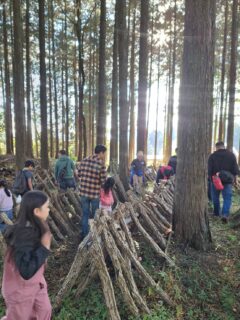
[(20, 183), (226, 177), (62, 172), (166, 171)]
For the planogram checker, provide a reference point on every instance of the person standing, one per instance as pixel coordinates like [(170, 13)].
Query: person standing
[(222, 163), (6, 203), (106, 195), (92, 175), (137, 174), (173, 162), (65, 171)]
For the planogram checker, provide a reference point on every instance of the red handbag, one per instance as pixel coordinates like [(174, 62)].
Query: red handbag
[(217, 183)]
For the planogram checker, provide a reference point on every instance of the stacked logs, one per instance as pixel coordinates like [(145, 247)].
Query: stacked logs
[(65, 207), (110, 236)]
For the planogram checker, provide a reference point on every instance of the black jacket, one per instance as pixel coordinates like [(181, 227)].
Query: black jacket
[(173, 163), (222, 159)]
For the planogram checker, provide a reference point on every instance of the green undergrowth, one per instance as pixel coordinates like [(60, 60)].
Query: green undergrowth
[(204, 286)]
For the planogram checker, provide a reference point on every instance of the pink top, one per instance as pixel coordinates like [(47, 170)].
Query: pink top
[(106, 199), (12, 281), (6, 203)]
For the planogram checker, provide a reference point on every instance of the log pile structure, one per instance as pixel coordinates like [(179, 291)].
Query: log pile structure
[(111, 238)]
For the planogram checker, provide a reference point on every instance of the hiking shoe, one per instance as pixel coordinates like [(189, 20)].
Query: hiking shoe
[(224, 220)]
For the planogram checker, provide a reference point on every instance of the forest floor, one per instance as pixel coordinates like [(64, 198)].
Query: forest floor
[(203, 285)]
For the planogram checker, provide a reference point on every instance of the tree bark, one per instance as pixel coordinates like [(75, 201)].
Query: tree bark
[(123, 101), (232, 74), (190, 207), (43, 95), (18, 85), (114, 109), (223, 72), (8, 110), (66, 80), (50, 83), (132, 91), (143, 75), (101, 122)]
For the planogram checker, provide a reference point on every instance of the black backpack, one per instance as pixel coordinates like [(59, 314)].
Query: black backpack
[(226, 177), (20, 183)]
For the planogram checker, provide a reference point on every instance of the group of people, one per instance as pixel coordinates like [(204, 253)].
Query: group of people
[(28, 240)]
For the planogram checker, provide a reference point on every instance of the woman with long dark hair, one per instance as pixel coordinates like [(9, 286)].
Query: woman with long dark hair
[(28, 241), (6, 203)]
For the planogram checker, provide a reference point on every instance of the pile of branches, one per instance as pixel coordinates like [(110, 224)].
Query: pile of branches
[(110, 239)]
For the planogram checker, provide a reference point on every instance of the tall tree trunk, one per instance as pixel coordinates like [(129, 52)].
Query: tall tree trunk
[(212, 66), (50, 84), (123, 101), (172, 87), (18, 85), (66, 81), (81, 80), (190, 205), (157, 110), (76, 102), (114, 110), (150, 87), (36, 134), (223, 71), (132, 91), (63, 94), (43, 94), (8, 109), (143, 75), (232, 74), (54, 81), (29, 151), (101, 122)]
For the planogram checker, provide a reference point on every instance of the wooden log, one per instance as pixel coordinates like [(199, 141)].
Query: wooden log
[(60, 221), (148, 238), (85, 280), (74, 202), (55, 229), (119, 274), (107, 286), (127, 271), (5, 219), (122, 195), (152, 226), (80, 261)]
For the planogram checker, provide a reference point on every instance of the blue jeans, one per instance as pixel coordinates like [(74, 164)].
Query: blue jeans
[(89, 207), (67, 183), (227, 200), (9, 214)]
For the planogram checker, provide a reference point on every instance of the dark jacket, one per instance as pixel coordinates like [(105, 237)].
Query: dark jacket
[(173, 163), (222, 159)]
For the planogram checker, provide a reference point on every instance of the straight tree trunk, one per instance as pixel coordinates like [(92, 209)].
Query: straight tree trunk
[(54, 81), (123, 101), (50, 84), (76, 101), (29, 150), (81, 80), (212, 66), (150, 87), (8, 109), (43, 94), (223, 72), (101, 122), (114, 110), (190, 205), (143, 75), (172, 88), (35, 120), (157, 110), (18, 85), (132, 91), (232, 74), (66, 81)]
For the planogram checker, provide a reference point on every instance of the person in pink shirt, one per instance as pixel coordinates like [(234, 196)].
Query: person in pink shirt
[(6, 203), (106, 196), (24, 287)]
